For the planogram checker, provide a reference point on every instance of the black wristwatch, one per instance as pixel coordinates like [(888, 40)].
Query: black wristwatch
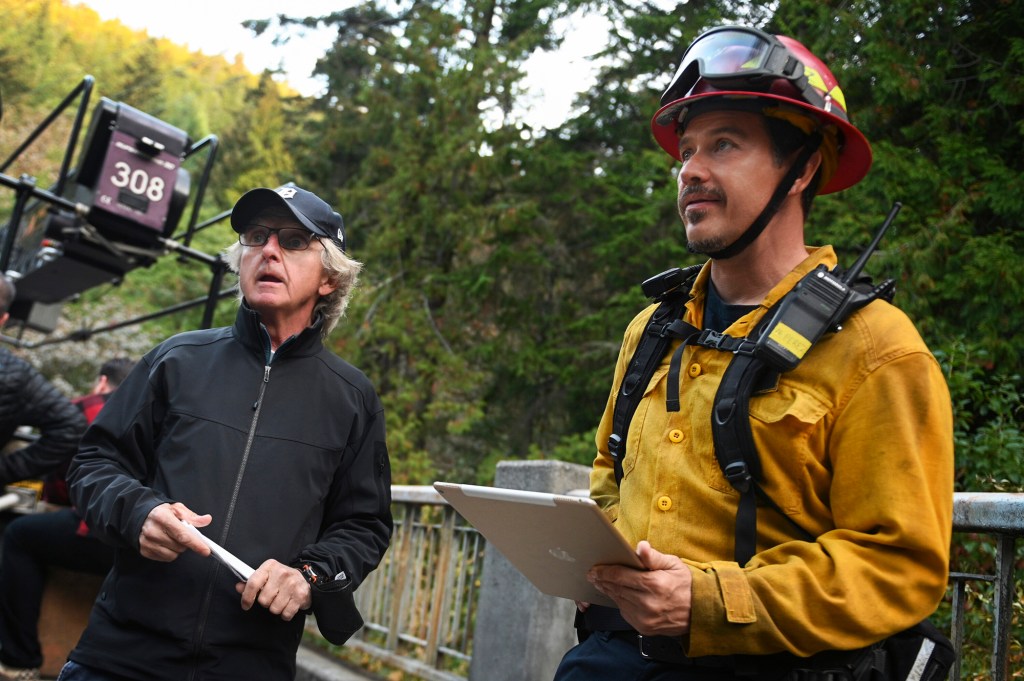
[(312, 576)]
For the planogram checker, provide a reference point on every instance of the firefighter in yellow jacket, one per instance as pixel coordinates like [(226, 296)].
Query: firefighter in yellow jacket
[(855, 444)]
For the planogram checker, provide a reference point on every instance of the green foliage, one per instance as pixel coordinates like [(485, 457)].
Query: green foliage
[(575, 448), (502, 262), (76, 365), (989, 420), (457, 307), (937, 88), (48, 47)]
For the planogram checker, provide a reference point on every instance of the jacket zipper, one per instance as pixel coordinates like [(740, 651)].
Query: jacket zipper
[(245, 455), (205, 608)]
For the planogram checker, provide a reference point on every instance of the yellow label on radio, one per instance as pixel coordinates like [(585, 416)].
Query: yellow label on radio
[(790, 340)]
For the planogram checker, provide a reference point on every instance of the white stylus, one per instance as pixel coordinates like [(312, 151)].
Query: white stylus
[(241, 570)]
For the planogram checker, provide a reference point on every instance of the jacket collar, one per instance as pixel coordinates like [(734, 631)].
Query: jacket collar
[(250, 331), (816, 255)]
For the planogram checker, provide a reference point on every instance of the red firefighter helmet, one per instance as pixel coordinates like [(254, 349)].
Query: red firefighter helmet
[(735, 67)]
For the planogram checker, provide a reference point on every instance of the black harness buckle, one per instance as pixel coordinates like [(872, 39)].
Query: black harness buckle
[(726, 343), (738, 475), (615, 446), (711, 339)]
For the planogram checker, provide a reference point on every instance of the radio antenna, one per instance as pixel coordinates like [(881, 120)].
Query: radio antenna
[(854, 272)]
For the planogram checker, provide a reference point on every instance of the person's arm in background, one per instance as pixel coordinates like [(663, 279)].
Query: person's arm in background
[(60, 424), (105, 480)]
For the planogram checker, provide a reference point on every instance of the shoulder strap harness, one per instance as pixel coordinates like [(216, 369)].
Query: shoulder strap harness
[(819, 303), (671, 289)]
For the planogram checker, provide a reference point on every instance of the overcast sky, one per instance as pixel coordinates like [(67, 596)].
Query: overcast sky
[(214, 27)]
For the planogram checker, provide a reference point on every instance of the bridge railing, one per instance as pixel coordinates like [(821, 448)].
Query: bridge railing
[(997, 520), (420, 606)]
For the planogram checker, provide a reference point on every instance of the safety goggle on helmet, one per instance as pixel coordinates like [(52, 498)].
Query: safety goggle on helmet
[(732, 63)]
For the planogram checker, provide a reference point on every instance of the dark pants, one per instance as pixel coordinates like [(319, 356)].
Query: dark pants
[(603, 656), (31, 543)]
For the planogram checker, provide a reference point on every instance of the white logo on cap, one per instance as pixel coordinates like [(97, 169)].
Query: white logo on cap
[(341, 235), (287, 192)]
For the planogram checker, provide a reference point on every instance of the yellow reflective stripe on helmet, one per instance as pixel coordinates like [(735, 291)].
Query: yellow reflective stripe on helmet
[(815, 80)]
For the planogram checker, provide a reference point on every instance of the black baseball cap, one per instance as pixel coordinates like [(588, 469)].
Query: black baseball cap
[(309, 209)]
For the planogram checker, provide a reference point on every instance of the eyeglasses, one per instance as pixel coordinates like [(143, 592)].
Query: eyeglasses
[(288, 238), (741, 58)]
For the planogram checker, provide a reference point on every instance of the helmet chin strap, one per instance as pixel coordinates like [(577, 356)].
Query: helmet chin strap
[(774, 203)]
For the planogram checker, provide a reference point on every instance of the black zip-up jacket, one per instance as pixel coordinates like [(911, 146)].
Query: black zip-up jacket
[(288, 455), (28, 399)]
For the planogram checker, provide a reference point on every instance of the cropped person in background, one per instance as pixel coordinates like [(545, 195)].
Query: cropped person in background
[(112, 373), (28, 399), (262, 439), (34, 542)]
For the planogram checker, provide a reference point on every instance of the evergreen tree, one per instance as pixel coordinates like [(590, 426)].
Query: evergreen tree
[(417, 135)]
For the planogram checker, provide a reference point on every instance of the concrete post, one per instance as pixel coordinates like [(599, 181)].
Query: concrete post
[(521, 633)]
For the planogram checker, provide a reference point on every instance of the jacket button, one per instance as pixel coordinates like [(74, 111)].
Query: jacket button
[(675, 435), (665, 503), (694, 370)]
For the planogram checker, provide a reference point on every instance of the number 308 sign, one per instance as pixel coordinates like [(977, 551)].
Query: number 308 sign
[(136, 185)]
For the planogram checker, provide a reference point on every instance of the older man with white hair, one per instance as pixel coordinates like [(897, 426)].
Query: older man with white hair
[(264, 440)]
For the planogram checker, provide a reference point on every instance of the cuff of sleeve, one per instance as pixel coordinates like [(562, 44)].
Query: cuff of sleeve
[(736, 595), (721, 596)]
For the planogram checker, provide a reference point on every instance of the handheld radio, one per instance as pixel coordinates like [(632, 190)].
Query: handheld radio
[(818, 303)]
